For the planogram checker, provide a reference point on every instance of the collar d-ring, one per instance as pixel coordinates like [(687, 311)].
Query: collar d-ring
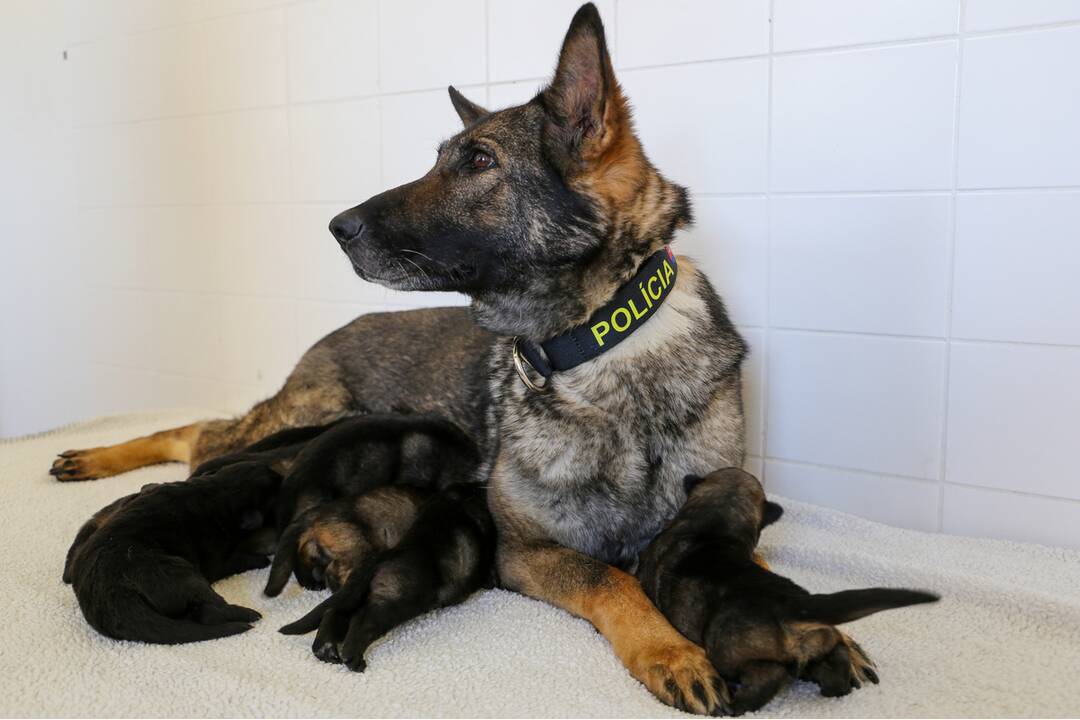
[(519, 364)]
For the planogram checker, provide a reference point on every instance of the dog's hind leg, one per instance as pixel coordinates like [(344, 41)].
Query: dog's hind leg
[(312, 395), (173, 445)]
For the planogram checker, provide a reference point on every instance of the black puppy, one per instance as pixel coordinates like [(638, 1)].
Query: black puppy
[(446, 554), (141, 568), (346, 461), (760, 630)]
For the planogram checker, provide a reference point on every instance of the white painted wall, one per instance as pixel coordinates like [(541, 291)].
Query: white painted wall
[(888, 196)]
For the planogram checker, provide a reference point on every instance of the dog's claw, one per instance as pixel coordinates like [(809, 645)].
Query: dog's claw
[(690, 685)]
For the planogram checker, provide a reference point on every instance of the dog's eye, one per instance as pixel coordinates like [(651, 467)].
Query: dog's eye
[(481, 160)]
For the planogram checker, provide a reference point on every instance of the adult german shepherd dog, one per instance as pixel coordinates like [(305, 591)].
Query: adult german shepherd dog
[(539, 213)]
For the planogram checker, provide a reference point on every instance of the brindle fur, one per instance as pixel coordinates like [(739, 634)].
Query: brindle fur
[(759, 629), (581, 474)]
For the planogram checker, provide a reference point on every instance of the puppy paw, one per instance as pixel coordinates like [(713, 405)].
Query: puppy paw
[(682, 676), (845, 668), (863, 669)]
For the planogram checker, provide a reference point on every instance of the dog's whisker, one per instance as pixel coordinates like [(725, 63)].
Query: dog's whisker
[(417, 252), (422, 270)]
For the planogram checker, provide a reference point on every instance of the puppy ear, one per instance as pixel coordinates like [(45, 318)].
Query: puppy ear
[(690, 482), (583, 102), (772, 513), (467, 110)]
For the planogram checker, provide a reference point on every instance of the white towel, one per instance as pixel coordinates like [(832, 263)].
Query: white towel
[(1004, 641)]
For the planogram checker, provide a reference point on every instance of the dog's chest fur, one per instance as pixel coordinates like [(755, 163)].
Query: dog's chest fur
[(596, 461)]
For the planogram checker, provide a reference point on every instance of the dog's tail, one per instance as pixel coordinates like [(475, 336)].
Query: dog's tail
[(841, 607)]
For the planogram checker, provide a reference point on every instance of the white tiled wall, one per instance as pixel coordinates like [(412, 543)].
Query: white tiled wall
[(887, 194)]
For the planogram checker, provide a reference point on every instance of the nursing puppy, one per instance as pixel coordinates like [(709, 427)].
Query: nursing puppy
[(354, 488), (760, 630), (326, 542), (447, 552), (141, 568), (357, 454)]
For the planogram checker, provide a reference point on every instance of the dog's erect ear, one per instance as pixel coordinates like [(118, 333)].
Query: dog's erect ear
[(467, 110), (583, 101)]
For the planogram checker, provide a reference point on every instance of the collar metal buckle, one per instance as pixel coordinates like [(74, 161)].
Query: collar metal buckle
[(519, 364)]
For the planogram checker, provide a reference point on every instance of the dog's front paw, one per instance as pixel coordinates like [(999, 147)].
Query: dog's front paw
[(845, 668), (682, 676)]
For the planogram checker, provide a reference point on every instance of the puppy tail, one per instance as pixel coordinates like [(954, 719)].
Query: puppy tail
[(169, 631), (841, 607), (130, 617)]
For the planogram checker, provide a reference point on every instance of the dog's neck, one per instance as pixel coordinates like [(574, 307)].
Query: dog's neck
[(554, 300), (613, 379)]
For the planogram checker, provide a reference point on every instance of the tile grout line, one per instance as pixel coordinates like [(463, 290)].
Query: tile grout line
[(368, 97), (916, 479), (306, 263), (379, 107), (946, 390), (850, 194), (846, 469), (487, 51), (993, 32), (1011, 491), (766, 335), (615, 54)]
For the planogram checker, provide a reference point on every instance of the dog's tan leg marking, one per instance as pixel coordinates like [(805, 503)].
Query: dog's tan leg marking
[(674, 669), (173, 445)]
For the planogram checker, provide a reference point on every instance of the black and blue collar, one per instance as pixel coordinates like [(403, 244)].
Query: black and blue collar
[(633, 304)]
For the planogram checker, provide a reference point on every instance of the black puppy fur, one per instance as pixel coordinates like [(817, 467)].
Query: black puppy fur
[(760, 630), (141, 568), (446, 554), (346, 461)]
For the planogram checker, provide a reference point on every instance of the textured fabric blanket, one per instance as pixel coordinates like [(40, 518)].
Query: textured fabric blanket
[(1005, 640)]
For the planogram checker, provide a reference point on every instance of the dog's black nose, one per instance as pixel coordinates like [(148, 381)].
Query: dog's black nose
[(347, 225)]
